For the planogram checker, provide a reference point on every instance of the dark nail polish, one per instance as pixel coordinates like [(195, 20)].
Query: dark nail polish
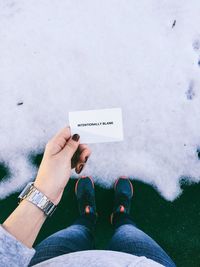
[(80, 168), (86, 158), (76, 137)]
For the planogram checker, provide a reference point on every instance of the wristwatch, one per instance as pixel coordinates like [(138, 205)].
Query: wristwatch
[(32, 194)]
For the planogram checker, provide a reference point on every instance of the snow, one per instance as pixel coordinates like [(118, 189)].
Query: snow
[(142, 56)]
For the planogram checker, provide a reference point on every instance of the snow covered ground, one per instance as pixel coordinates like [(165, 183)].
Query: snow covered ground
[(142, 56)]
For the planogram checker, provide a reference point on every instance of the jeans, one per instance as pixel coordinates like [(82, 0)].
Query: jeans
[(80, 236)]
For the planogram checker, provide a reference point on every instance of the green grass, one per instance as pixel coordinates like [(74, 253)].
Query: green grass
[(174, 225)]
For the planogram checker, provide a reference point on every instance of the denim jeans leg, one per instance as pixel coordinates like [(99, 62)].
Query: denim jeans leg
[(129, 239), (76, 237)]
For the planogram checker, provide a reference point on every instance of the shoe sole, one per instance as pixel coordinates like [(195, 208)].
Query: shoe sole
[(124, 177), (83, 177)]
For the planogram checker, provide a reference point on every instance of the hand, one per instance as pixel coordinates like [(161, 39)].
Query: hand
[(62, 153)]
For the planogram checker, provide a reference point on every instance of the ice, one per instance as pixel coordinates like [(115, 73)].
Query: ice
[(142, 56)]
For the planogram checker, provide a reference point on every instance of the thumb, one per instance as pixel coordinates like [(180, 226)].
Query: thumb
[(72, 145)]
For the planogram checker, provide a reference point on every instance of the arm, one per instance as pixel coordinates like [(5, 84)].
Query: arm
[(26, 220)]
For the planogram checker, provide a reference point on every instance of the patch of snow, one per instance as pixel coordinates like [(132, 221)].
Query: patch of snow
[(59, 56)]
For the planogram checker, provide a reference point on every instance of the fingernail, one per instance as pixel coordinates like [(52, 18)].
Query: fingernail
[(76, 137), (80, 168), (86, 158)]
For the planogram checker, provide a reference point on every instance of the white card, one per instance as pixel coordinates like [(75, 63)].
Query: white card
[(97, 125)]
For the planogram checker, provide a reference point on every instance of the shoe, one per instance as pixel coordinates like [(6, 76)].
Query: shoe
[(85, 194), (123, 189)]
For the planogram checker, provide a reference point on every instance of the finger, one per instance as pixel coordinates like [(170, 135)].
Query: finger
[(84, 154), (75, 158), (62, 137), (71, 146), (80, 156), (84, 146), (83, 158)]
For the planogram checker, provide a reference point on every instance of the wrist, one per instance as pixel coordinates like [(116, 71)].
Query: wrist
[(30, 209), (52, 193)]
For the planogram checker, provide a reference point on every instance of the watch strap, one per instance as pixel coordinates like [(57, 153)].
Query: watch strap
[(32, 194)]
